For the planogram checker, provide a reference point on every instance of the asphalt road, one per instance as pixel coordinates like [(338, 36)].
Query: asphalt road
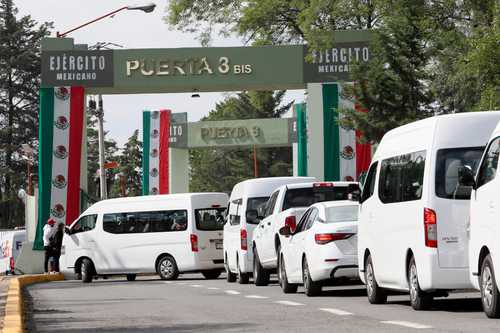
[(193, 304)]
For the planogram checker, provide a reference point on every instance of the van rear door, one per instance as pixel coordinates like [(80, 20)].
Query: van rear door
[(452, 205), (209, 224)]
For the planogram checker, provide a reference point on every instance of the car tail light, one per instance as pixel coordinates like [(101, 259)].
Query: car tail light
[(327, 238), (194, 243), (323, 184), (11, 264), (291, 222), (243, 237), (430, 226)]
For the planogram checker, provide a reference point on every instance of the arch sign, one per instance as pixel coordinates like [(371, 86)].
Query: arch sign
[(69, 71)]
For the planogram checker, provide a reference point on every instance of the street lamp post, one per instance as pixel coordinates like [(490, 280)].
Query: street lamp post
[(100, 111)]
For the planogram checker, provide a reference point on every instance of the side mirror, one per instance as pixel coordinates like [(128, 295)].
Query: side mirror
[(67, 230), (466, 177), (285, 231), (252, 215), (260, 213)]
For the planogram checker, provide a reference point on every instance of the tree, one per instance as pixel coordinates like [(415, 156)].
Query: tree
[(19, 84), (130, 161), (219, 169)]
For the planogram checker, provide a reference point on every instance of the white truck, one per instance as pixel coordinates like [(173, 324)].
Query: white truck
[(285, 207)]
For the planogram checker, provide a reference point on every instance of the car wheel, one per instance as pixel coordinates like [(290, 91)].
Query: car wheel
[(287, 287), (211, 275), (87, 270), (243, 278), (490, 296), (167, 268), (260, 275), (419, 299), (230, 276), (376, 295), (311, 287), (131, 277)]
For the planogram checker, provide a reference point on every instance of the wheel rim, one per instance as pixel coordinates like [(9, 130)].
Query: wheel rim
[(487, 287), (306, 276), (255, 270), (413, 282), (282, 275), (167, 268), (370, 279)]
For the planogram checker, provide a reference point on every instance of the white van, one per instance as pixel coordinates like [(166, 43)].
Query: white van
[(246, 196), (412, 232), (164, 234), (484, 247), (11, 242)]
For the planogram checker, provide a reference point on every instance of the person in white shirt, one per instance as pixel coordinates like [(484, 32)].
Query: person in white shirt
[(48, 231)]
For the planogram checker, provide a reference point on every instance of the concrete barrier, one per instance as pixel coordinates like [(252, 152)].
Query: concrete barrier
[(14, 317)]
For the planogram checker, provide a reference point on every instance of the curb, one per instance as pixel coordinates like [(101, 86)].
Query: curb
[(13, 318)]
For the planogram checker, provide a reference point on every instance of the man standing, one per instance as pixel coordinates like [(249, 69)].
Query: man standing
[(48, 231)]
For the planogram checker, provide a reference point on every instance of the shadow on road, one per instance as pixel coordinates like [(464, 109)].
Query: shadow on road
[(450, 305)]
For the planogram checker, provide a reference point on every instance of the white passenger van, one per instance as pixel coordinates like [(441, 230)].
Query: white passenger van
[(247, 196), (412, 232), (164, 234), (484, 246)]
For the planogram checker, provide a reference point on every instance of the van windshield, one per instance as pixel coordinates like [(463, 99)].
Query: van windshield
[(341, 214), (448, 162), (305, 197), (208, 219), (258, 204)]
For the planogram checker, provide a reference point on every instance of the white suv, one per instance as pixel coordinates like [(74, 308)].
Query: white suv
[(484, 247)]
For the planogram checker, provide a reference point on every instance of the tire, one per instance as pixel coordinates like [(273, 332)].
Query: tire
[(131, 277), (211, 275), (260, 275), (87, 270), (419, 299), (490, 297), (167, 268), (230, 276), (311, 287), (376, 295), (287, 287), (243, 278)]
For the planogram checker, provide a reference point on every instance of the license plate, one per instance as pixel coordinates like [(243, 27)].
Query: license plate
[(218, 244)]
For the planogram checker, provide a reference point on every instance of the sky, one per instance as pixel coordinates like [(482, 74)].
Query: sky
[(131, 29)]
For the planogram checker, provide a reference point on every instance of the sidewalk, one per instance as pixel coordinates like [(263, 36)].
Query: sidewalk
[(4, 285)]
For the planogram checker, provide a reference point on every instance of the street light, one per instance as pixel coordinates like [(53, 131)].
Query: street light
[(100, 111), (146, 8)]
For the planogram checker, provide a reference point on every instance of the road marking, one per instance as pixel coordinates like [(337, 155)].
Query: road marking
[(168, 282), (181, 283), (289, 303), (213, 288), (232, 292), (256, 296), (336, 312), (196, 285), (406, 324)]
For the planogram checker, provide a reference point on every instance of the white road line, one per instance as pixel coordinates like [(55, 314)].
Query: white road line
[(213, 288), (168, 282), (256, 296), (406, 324), (232, 292), (181, 283), (196, 285), (336, 312), (289, 303)]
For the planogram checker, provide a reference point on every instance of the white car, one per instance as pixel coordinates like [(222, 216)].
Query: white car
[(164, 234), (286, 206), (412, 231), (247, 198), (322, 248), (484, 246)]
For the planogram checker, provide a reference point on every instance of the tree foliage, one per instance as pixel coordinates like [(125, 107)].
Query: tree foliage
[(219, 169), (19, 84), (130, 161)]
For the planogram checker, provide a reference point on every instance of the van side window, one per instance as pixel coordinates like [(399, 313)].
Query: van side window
[(235, 212), (271, 203), (144, 222), (369, 186), (489, 166), (85, 223), (402, 178)]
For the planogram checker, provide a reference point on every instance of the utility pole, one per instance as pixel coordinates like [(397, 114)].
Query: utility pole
[(100, 130)]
